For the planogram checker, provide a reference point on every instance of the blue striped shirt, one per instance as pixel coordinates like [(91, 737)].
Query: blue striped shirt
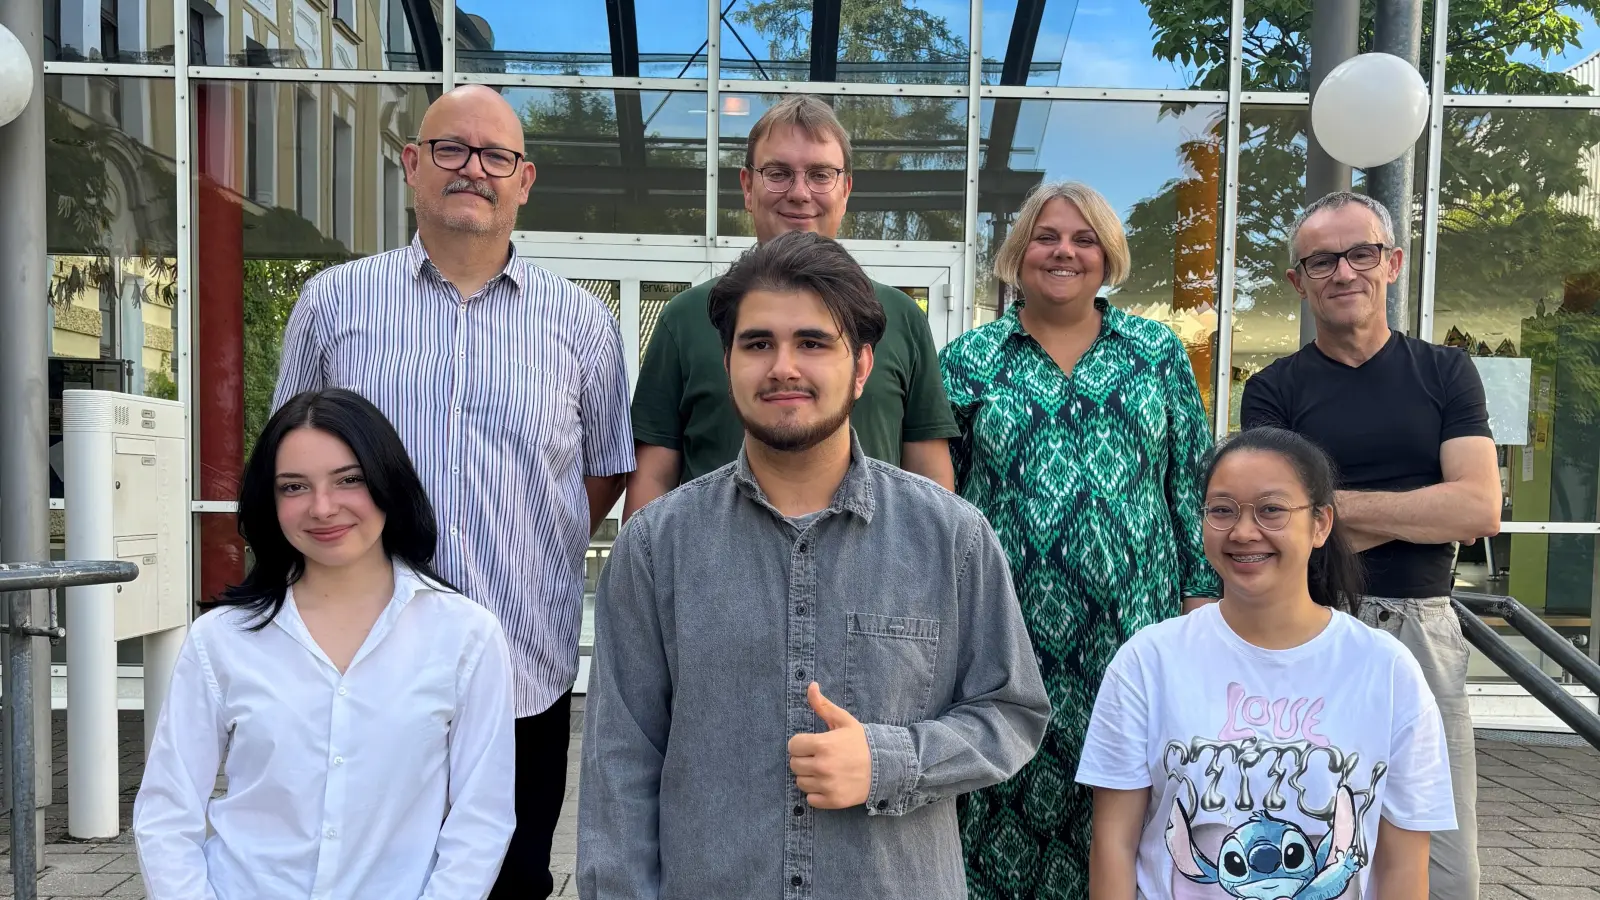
[(506, 401)]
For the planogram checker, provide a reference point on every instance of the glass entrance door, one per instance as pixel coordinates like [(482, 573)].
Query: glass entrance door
[(637, 276)]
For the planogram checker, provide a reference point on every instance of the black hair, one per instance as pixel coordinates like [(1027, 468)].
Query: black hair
[(410, 534), (802, 260), (1335, 575)]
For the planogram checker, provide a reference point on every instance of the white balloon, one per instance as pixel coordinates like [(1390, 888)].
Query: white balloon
[(1370, 110), (16, 77)]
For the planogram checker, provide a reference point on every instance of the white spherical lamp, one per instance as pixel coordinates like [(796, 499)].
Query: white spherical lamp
[(1370, 110), (16, 77)]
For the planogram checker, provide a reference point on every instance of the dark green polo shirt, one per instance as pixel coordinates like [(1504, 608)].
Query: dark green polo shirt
[(682, 400)]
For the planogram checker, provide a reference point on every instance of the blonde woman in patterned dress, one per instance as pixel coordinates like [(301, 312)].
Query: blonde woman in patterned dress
[(1082, 440)]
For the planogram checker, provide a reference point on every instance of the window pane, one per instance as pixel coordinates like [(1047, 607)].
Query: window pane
[(1106, 43), (614, 161), (1272, 192), (1525, 47), (1519, 287), (113, 31), (1158, 167), (269, 215), (574, 38), (910, 159), (110, 191), (878, 41), (349, 34)]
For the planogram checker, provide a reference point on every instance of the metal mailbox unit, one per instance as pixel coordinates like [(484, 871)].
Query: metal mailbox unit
[(126, 499)]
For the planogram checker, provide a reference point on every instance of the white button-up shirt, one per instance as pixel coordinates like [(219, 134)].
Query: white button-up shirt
[(390, 781)]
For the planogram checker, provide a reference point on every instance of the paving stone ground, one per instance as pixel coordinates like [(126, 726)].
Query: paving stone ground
[(1538, 820)]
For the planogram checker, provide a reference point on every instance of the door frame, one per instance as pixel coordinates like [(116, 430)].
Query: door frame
[(643, 256)]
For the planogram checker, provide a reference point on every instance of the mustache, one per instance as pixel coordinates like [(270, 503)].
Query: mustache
[(466, 184)]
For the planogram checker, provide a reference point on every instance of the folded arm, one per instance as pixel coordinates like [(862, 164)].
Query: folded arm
[(1463, 507)]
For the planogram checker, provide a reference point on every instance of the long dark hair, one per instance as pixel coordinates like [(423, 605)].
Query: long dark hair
[(410, 534), (1335, 575)]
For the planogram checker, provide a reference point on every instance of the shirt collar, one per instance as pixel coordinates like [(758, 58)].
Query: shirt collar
[(407, 584), (419, 262), (854, 494), (1112, 320)]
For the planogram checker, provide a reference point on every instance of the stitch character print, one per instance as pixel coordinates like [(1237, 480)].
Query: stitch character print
[(1269, 809)]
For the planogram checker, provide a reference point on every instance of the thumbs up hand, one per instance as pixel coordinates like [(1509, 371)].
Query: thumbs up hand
[(834, 767)]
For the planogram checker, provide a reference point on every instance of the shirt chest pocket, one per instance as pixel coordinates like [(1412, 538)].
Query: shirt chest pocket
[(889, 667)]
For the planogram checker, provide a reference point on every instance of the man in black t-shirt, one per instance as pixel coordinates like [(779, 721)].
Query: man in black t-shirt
[(1406, 423)]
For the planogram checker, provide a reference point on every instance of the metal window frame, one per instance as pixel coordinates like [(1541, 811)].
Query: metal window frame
[(1222, 390), (712, 85), (1430, 200)]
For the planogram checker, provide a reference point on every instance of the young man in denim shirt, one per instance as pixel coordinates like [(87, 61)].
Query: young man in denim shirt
[(801, 657)]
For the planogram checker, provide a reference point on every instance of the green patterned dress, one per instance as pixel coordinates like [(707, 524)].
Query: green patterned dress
[(1091, 481)]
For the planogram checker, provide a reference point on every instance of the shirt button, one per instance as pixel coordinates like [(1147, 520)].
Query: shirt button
[(799, 674), (455, 470), (338, 760), (883, 804), (452, 529), (332, 832), (343, 690), (799, 810), (803, 546), (800, 610), (797, 881)]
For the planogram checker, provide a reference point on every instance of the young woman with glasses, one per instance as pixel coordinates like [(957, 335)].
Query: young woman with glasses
[(1270, 745), (359, 707)]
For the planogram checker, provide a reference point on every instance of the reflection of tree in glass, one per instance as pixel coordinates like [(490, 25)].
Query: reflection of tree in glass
[(1503, 172), (870, 31), (271, 289), (92, 166), (579, 128)]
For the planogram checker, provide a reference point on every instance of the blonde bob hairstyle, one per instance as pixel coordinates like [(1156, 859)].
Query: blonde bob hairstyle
[(1101, 217)]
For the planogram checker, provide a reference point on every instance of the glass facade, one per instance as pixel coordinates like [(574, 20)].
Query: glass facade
[(296, 112)]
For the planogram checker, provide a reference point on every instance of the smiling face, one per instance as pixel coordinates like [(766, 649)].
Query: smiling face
[(468, 200), (1064, 262), (324, 507), (790, 370), (1258, 563), (1347, 301), (799, 208)]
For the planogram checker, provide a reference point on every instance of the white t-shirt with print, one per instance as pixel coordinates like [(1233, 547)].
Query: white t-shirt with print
[(1268, 769)]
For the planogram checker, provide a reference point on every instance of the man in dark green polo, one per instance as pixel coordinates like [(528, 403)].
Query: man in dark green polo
[(796, 176)]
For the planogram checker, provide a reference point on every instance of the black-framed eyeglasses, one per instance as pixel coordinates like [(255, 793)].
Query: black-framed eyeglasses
[(453, 156), (780, 179), (1361, 257), (1223, 513)]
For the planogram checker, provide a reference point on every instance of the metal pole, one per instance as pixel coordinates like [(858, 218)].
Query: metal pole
[(1399, 32), (1335, 27), (24, 454)]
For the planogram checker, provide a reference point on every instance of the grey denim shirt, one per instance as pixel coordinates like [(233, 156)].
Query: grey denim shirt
[(715, 613)]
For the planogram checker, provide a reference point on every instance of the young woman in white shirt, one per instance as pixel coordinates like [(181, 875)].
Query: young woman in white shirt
[(1268, 746), (359, 706)]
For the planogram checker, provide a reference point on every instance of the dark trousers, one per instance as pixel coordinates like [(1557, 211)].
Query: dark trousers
[(542, 742)]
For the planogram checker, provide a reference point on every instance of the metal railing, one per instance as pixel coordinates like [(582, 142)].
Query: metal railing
[(1470, 607), (17, 580)]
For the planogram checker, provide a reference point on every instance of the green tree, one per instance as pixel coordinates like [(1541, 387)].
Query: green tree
[(271, 289), (1503, 171), (870, 31)]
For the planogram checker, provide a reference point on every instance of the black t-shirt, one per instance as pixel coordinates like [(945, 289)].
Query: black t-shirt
[(1383, 423)]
